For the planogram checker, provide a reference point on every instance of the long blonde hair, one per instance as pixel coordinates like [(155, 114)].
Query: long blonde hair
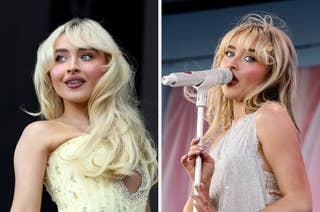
[(115, 123), (273, 48)]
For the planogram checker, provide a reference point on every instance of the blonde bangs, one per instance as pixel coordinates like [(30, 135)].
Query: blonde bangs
[(88, 34), (250, 37)]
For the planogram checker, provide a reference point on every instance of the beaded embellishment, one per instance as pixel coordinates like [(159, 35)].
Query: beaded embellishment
[(142, 191)]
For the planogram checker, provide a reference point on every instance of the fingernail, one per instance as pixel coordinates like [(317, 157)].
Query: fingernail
[(201, 185)]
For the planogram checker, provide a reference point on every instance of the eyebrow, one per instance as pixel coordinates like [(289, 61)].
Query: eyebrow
[(234, 48), (60, 50), (63, 50)]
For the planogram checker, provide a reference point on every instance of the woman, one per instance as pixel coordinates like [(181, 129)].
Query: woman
[(255, 161), (92, 151)]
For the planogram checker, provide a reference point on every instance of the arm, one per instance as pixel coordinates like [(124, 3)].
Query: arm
[(189, 204), (148, 208), (29, 164), (202, 201), (280, 146)]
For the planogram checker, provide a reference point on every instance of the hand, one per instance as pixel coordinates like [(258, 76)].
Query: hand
[(188, 162), (202, 201)]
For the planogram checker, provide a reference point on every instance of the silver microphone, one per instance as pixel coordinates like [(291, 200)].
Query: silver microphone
[(217, 76)]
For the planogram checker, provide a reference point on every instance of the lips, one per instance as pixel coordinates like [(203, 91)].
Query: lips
[(234, 80), (74, 82)]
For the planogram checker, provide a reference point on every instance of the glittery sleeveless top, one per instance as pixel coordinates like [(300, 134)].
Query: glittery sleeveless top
[(239, 182), (74, 192)]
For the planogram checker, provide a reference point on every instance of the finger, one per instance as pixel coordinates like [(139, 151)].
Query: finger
[(204, 207), (183, 158), (196, 147), (187, 163), (202, 192), (195, 141), (197, 199), (207, 157), (198, 203), (201, 205), (198, 207), (193, 153)]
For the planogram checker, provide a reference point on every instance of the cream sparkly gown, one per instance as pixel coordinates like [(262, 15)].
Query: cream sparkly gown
[(74, 192), (239, 183)]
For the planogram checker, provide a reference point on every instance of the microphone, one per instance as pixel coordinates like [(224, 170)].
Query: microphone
[(213, 77)]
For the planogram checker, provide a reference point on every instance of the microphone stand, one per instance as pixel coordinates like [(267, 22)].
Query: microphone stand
[(212, 78), (201, 103)]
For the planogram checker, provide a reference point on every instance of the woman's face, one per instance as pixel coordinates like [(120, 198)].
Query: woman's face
[(75, 71), (247, 71)]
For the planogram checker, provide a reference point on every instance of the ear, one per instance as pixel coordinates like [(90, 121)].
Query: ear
[(108, 57), (49, 74)]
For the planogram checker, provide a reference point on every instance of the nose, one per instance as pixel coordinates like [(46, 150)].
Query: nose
[(73, 70), (73, 67), (232, 64)]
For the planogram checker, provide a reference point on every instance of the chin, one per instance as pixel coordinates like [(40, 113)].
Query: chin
[(233, 94), (77, 100), (230, 95)]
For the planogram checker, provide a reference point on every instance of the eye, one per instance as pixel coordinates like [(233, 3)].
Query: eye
[(60, 59), (250, 59), (86, 57), (229, 53)]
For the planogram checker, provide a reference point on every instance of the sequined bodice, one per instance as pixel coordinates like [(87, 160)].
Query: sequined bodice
[(72, 191), (239, 182)]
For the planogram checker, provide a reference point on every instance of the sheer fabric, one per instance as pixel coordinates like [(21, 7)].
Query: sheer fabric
[(239, 182)]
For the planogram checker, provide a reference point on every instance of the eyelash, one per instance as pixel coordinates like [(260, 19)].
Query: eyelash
[(58, 57), (229, 52), (252, 59), (89, 55)]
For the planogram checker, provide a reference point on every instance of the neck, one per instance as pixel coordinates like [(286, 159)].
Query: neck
[(238, 110), (76, 115)]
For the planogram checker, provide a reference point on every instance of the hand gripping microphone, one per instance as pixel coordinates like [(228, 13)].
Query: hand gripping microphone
[(213, 77)]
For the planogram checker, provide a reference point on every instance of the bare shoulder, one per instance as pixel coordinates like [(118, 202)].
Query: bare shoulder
[(272, 107), (36, 134), (37, 128), (273, 121), (45, 135), (33, 144), (273, 114)]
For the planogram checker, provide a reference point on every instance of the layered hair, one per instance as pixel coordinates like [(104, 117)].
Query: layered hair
[(116, 126), (273, 48)]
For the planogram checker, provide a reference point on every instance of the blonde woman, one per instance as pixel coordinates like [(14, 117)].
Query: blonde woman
[(92, 150), (254, 161)]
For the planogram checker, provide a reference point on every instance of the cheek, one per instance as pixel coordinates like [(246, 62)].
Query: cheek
[(255, 76), (56, 74), (95, 71), (223, 62)]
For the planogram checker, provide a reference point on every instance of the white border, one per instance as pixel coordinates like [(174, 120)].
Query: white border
[(159, 106)]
